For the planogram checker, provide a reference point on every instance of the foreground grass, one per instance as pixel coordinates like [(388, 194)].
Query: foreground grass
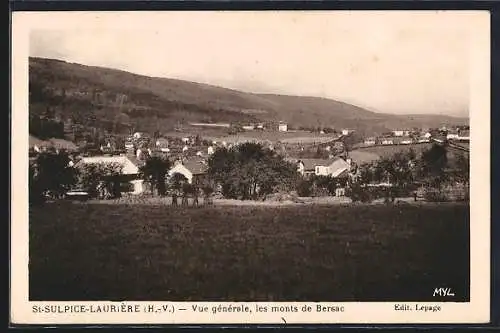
[(297, 253)]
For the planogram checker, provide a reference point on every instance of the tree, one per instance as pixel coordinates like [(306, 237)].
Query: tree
[(249, 171), (100, 179), (154, 171), (52, 175), (461, 171), (433, 164)]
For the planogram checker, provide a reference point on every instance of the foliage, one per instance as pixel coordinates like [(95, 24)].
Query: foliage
[(399, 170), (176, 182), (248, 171), (154, 172), (100, 179), (357, 193), (51, 175), (461, 171), (44, 128), (433, 164), (304, 188)]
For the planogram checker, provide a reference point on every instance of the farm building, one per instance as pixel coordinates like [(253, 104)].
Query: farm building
[(401, 132), (161, 143), (130, 169), (370, 141), (387, 141), (405, 140), (464, 135), (38, 145), (452, 135), (195, 169), (282, 126), (335, 167)]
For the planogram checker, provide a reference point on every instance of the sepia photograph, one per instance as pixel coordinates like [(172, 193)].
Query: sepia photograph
[(254, 157)]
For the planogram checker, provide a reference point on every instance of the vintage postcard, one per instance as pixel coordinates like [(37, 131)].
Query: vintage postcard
[(245, 167)]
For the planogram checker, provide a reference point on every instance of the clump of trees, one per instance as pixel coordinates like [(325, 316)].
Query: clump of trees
[(154, 172), (404, 171), (100, 180), (50, 176), (249, 171)]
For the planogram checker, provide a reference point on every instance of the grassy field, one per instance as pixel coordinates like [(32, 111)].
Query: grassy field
[(294, 137), (390, 150), (296, 253)]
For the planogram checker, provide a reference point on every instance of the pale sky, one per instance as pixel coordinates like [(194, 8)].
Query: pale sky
[(394, 62)]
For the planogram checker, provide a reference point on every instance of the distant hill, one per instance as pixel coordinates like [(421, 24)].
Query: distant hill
[(118, 101)]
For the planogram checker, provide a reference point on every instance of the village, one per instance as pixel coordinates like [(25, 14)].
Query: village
[(331, 153)]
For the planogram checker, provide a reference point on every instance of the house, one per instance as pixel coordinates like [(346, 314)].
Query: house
[(401, 132), (322, 167), (130, 169), (129, 145), (346, 131), (260, 126), (137, 135), (38, 145), (248, 127), (387, 141), (210, 150), (195, 169), (161, 143), (370, 141), (464, 135), (406, 140), (452, 135), (282, 126)]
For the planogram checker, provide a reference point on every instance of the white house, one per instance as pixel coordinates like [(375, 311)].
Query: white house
[(401, 132), (191, 169), (370, 141), (321, 167), (464, 135), (137, 135), (129, 145), (387, 141), (210, 150), (248, 127), (406, 141), (452, 135), (282, 127), (130, 168), (345, 131)]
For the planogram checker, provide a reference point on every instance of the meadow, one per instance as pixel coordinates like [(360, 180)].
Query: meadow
[(89, 251)]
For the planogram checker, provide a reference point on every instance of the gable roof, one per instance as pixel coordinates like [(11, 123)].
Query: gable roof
[(312, 163), (34, 141), (196, 165), (129, 167), (338, 167)]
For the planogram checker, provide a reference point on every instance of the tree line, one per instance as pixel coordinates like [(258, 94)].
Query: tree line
[(247, 172)]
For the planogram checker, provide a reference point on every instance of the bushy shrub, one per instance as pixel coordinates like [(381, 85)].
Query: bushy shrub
[(359, 194)]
